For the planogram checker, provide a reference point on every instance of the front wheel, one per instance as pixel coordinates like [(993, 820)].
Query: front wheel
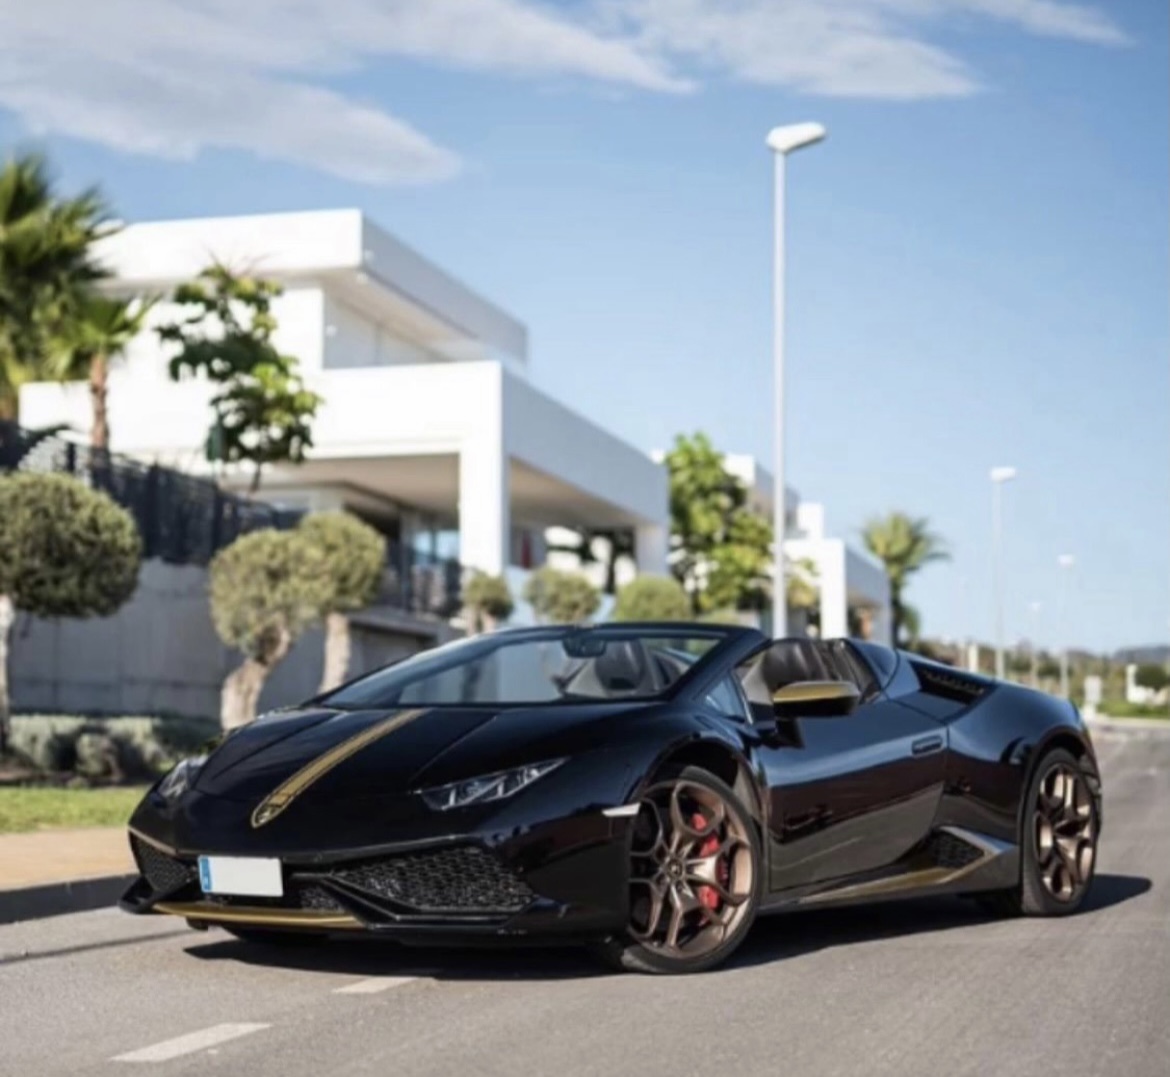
[(695, 877), (1058, 842)]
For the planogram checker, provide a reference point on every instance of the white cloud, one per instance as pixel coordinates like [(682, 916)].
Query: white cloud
[(844, 48), (174, 77)]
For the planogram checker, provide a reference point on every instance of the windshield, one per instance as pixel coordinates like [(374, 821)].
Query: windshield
[(554, 665)]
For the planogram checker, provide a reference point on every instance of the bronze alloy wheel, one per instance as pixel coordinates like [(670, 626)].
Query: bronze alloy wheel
[(693, 870), (1058, 841), (1065, 832)]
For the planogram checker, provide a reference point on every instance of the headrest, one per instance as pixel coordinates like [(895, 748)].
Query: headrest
[(790, 660), (621, 667)]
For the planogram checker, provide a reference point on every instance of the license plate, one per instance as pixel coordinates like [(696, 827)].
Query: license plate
[(241, 876)]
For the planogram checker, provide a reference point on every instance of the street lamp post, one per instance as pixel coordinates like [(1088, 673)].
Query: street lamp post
[(1035, 608), (1065, 562), (999, 475), (781, 141)]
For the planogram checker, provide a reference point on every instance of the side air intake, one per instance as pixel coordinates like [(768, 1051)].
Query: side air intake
[(947, 683)]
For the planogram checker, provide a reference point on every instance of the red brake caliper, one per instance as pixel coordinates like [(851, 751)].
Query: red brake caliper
[(707, 894)]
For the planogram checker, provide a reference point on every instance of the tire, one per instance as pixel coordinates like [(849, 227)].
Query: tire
[(1058, 845), (707, 901), (259, 936)]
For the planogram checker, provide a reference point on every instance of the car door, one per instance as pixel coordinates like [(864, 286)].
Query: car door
[(850, 794)]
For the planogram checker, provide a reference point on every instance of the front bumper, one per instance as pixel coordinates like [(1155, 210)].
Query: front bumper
[(564, 879)]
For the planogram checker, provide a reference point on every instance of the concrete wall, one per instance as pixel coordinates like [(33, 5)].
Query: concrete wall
[(159, 654)]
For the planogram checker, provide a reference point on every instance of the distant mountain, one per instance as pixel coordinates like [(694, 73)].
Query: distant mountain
[(1157, 654)]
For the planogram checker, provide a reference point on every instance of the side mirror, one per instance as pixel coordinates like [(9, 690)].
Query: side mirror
[(815, 699)]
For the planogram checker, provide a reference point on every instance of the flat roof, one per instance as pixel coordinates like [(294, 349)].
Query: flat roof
[(340, 246)]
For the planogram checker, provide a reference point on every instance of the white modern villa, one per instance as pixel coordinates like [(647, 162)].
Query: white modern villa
[(431, 427)]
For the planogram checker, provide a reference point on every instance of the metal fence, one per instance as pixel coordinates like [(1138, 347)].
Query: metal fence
[(185, 520), (420, 583)]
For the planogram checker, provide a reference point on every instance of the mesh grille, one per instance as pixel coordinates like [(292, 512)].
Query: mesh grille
[(164, 873), (297, 895), (466, 879), (308, 896), (947, 851)]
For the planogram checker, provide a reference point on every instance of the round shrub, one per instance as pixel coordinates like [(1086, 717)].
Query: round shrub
[(652, 598), (266, 589), (65, 550), (487, 598), (561, 597), (355, 555)]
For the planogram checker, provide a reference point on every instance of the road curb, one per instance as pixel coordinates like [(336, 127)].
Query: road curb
[(54, 899)]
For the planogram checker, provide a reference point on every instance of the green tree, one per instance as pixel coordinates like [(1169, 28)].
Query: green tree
[(266, 588), (561, 597), (355, 557), (46, 269), (740, 573), (652, 598), (65, 551), (262, 410), (1151, 676), (721, 548), (905, 545), (102, 332), (488, 601), (802, 586)]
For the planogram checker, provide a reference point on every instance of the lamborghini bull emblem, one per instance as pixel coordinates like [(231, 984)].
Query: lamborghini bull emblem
[(291, 788)]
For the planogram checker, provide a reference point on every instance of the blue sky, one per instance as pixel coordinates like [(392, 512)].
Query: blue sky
[(978, 253)]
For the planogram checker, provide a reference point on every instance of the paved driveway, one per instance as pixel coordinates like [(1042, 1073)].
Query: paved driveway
[(918, 988)]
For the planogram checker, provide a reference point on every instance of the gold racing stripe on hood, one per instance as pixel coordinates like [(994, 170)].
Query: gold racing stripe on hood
[(291, 788)]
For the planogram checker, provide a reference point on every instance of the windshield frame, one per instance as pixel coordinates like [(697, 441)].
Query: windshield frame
[(725, 637)]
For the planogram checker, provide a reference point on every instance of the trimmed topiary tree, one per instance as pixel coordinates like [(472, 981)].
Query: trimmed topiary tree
[(65, 551), (652, 598), (267, 587), (561, 597), (488, 601), (356, 557)]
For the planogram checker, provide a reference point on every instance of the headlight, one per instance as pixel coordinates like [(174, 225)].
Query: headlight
[(504, 783), (181, 777)]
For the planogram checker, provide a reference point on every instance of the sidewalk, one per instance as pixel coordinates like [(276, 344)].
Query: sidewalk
[(47, 872), (39, 857)]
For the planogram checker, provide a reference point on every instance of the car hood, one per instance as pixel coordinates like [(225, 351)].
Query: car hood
[(396, 750)]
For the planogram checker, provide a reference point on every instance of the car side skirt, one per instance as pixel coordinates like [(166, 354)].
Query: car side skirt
[(952, 860)]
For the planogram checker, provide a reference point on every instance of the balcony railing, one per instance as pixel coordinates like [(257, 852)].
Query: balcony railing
[(419, 582)]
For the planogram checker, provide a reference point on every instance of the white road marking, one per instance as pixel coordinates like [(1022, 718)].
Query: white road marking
[(373, 985), (189, 1044)]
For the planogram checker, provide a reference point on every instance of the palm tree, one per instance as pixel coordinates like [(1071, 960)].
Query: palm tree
[(904, 544), (45, 270), (104, 328)]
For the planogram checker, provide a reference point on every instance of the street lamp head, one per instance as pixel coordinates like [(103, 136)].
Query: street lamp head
[(1003, 474), (1066, 560), (795, 136)]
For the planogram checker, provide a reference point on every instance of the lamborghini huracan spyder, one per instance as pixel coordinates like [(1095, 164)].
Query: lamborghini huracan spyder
[(648, 789)]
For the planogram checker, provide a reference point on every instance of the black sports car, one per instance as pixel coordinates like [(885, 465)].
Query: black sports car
[(646, 788)]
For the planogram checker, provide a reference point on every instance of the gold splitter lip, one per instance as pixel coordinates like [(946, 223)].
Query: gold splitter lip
[(254, 914)]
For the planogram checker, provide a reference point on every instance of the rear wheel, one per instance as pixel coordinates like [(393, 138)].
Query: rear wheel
[(1058, 843), (695, 877)]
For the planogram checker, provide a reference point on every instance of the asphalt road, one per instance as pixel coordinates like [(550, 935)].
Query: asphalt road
[(913, 988)]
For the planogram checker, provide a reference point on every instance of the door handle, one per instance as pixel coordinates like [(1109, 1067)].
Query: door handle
[(926, 745)]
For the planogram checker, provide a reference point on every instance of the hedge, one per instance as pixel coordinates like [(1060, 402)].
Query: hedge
[(114, 748)]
